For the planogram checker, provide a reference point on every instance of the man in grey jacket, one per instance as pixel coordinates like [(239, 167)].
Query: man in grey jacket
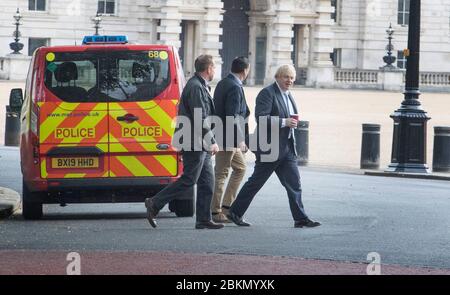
[(195, 99)]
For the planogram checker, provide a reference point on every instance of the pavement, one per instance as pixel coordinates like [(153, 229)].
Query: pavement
[(9, 202), (172, 263)]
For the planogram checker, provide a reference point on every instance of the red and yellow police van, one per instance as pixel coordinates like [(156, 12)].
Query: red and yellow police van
[(97, 124)]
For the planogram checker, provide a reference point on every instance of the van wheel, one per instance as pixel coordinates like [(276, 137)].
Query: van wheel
[(31, 210), (184, 208)]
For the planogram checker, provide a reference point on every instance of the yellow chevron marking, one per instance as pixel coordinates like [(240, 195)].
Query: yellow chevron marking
[(150, 147), (147, 104), (116, 147), (75, 175), (163, 119), (44, 168), (55, 119), (104, 147), (134, 166), (118, 109), (88, 122), (168, 162)]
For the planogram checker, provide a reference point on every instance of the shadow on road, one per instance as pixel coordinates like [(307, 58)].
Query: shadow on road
[(92, 216)]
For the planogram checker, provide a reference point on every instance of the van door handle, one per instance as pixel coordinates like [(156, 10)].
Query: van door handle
[(129, 118)]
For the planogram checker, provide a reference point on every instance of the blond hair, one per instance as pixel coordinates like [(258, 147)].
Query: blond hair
[(285, 70)]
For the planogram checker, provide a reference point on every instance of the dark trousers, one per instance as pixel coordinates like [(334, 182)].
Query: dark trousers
[(287, 171), (197, 170)]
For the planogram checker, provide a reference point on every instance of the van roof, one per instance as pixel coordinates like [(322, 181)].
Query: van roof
[(102, 47)]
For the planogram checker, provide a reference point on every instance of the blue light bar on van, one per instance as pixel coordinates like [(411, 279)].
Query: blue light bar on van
[(105, 40)]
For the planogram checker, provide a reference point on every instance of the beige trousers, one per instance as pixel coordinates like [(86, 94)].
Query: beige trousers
[(224, 161)]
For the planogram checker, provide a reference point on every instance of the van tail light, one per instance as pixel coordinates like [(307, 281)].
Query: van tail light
[(34, 119), (34, 128)]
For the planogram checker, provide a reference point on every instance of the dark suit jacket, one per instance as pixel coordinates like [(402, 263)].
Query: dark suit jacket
[(269, 105), (229, 100), (196, 96)]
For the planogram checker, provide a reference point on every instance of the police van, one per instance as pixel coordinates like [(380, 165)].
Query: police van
[(97, 124)]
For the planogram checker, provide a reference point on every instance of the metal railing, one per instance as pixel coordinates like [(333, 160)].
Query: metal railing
[(356, 76)]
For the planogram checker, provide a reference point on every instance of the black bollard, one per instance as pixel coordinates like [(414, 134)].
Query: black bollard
[(12, 128), (370, 147), (302, 140), (441, 150)]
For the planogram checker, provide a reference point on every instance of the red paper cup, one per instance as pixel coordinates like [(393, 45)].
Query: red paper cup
[(296, 117)]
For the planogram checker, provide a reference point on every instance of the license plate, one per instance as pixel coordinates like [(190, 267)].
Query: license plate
[(75, 163)]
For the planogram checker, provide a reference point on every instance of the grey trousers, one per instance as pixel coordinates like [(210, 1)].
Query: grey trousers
[(197, 170)]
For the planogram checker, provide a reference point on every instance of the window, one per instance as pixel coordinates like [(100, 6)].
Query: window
[(107, 7), (36, 5), (335, 15), (35, 43), (116, 76), (403, 12), (336, 57), (401, 60)]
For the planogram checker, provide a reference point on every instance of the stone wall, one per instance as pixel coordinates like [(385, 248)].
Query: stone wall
[(361, 33)]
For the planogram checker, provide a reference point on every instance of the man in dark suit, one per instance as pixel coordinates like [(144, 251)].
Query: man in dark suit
[(276, 105), (232, 109), (195, 100)]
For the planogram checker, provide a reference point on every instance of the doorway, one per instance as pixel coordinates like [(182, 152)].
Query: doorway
[(235, 37)]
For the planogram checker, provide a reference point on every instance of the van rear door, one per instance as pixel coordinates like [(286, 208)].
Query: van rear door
[(141, 110), (73, 121)]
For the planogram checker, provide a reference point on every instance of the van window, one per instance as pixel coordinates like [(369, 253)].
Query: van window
[(107, 76)]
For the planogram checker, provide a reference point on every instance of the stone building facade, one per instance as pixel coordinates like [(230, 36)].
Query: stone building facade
[(317, 36)]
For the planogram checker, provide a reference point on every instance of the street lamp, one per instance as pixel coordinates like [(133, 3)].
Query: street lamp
[(16, 46), (389, 59), (97, 20), (409, 146)]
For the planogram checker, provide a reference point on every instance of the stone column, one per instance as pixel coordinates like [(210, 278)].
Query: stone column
[(252, 51), (170, 27), (280, 38), (321, 72), (211, 32), (304, 57)]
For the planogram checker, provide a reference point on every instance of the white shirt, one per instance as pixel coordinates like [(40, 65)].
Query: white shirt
[(287, 102)]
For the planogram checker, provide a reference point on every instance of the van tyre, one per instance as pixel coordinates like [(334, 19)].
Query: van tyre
[(184, 208), (31, 210)]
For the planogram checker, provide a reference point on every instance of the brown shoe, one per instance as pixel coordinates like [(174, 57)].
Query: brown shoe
[(208, 225), (220, 218), (151, 212)]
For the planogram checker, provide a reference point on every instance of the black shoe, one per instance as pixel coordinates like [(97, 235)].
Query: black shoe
[(237, 220), (151, 212), (208, 225), (306, 223)]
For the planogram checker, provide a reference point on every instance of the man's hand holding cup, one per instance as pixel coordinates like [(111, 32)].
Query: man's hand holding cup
[(292, 122)]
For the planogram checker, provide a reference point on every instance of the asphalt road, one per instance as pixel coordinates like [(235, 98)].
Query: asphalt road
[(406, 221)]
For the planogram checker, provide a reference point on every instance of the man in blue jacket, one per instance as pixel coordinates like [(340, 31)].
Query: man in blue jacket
[(275, 105), (231, 107)]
